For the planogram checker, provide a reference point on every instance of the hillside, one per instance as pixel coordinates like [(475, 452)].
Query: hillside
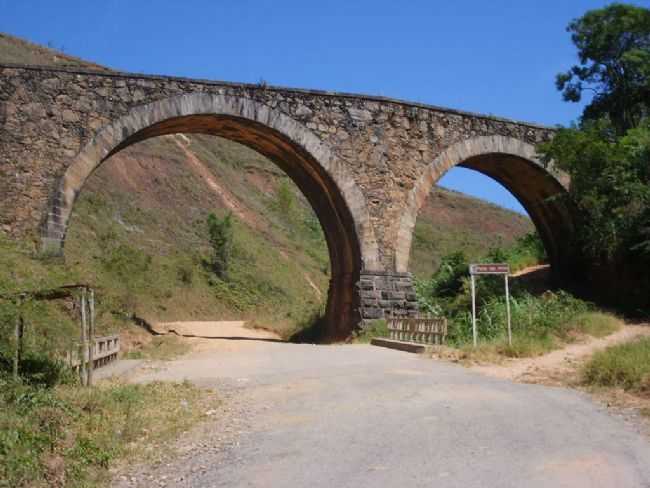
[(139, 229)]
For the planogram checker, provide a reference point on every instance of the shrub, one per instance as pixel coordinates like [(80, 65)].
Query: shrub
[(220, 235)]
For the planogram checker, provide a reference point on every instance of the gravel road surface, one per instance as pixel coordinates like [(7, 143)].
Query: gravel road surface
[(362, 416)]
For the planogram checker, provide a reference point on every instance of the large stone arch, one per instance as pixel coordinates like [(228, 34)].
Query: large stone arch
[(327, 184), (515, 165)]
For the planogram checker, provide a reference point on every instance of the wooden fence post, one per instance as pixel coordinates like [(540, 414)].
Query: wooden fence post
[(91, 335), (18, 335), (84, 345)]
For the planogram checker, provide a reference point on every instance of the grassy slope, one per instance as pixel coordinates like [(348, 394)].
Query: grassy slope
[(451, 221), (149, 202)]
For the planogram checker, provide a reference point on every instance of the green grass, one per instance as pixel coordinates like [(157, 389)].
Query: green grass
[(625, 366), (376, 328), (595, 324), (70, 436), (536, 339)]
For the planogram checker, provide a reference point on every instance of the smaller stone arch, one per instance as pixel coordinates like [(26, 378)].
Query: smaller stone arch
[(514, 164)]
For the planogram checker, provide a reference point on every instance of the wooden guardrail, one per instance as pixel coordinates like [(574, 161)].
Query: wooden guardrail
[(422, 330), (105, 350)]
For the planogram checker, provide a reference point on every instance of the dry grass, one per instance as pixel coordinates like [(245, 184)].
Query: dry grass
[(625, 366)]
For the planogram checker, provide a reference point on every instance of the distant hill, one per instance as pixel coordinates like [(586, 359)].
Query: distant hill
[(21, 51), (138, 230)]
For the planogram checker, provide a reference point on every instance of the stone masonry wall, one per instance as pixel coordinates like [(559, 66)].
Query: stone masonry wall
[(48, 115), (386, 295)]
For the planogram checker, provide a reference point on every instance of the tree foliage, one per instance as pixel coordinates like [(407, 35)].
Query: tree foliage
[(608, 154), (610, 187), (220, 235), (614, 50)]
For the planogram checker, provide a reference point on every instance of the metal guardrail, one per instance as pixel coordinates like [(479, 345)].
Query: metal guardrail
[(105, 350), (421, 330)]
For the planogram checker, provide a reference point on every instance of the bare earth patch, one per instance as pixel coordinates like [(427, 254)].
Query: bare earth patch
[(217, 336)]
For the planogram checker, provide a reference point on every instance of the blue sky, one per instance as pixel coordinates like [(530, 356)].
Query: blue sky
[(496, 57)]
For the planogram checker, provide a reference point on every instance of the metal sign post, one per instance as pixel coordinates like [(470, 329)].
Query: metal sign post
[(489, 269), (474, 333), (508, 310)]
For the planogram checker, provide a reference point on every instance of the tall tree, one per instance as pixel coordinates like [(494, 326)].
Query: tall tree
[(614, 51)]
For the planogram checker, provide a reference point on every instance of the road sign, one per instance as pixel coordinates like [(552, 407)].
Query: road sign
[(492, 268), (489, 269)]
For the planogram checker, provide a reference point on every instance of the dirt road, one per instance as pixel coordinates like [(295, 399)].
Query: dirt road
[(362, 416)]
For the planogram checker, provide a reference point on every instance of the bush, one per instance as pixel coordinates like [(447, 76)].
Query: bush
[(531, 316), (625, 365)]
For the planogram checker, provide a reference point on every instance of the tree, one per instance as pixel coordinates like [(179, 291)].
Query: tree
[(220, 235), (614, 50), (608, 154), (610, 186)]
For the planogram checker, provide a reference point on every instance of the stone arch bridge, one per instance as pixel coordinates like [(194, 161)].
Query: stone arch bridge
[(366, 164)]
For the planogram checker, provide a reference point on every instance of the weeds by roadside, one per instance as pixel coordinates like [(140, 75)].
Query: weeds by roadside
[(68, 436), (376, 328), (625, 366)]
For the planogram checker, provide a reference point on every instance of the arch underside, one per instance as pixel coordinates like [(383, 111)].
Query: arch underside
[(304, 171), (309, 174), (513, 163), (539, 193)]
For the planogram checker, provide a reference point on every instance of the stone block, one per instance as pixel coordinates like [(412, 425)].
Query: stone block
[(372, 313), (366, 284), (404, 285), (369, 294)]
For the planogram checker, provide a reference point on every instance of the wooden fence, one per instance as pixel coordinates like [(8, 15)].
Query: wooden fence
[(104, 350), (421, 330)]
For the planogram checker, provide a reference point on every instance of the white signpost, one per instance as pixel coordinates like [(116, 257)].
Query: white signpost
[(489, 269)]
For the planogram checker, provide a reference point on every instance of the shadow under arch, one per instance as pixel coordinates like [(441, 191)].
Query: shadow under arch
[(541, 191), (338, 203)]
